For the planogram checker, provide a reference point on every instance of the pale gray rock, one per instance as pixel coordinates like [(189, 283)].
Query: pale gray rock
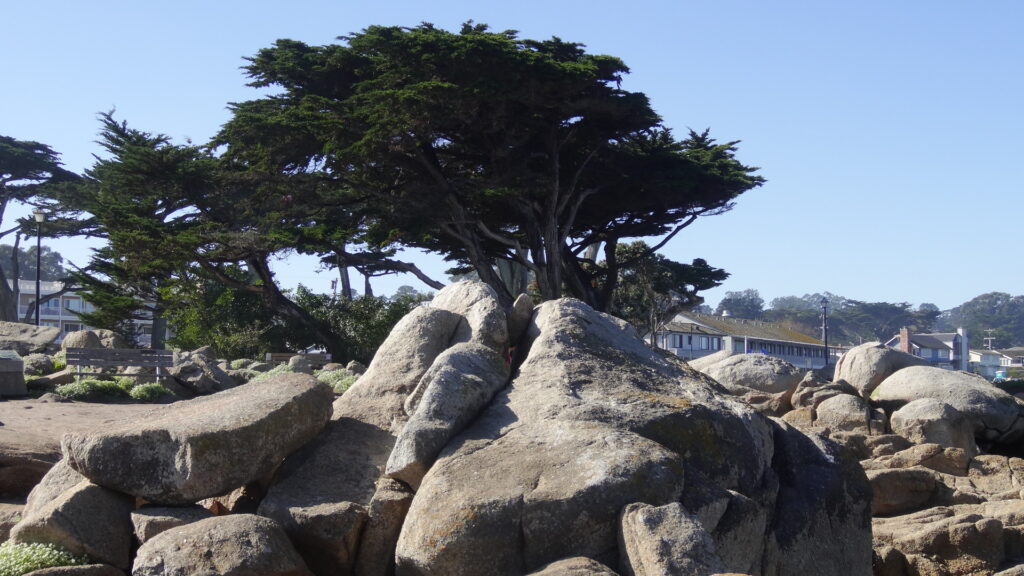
[(194, 449), (941, 541), (902, 490), (201, 376), (665, 541), (952, 461), (300, 364), (519, 318), (81, 339), (994, 414), (10, 514), (56, 481), (151, 521), (704, 362), (25, 338), (595, 420), (847, 413), (239, 544), (385, 515), (110, 339), (813, 390), (865, 366), (755, 371), (928, 420), (576, 566), (355, 367), (37, 364), (378, 397), (457, 387), (484, 320), (85, 519)]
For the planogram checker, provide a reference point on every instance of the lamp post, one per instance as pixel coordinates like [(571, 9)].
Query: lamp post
[(824, 326), (40, 216)]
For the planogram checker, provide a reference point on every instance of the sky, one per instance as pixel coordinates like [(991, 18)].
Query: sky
[(889, 132)]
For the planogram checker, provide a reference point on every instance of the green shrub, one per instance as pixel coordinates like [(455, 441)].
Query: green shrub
[(149, 392), (340, 380), (18, 559), (242, 363), (37, 364), (60, 360), (276, 370), (92, 389)]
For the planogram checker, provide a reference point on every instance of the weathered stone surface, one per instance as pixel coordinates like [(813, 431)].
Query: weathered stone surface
[(81, 339), (240, 544), (994, 414), (519, 318), (58, 479), (201, 376), (386, 513), (378, 396), (929, 421), (150, 521), (84, 570), (85, 519), (704, 362), (813, 390), (484, 321), (453, 392), (755, 371), (10, 514), (21, 469), (952, 461), (26, 338), (300, 364), (940, 541), (595, 420), (576, 566), (355, 367), (194, 449), (665, 540), (865, 366), (37, 364), (110, 339), (897, 491), (847, 413)]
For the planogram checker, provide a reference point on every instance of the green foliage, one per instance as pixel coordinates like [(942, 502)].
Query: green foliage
[(850, 321), (361, 324), (18, 559), (37, 364), (60, 360), (273, 372), (149, 392), (86, 389), (339, 380), (744, 304), (52, 262), (995, 315)]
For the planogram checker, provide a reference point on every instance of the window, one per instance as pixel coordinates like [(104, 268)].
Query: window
[(689, 341), (53, 303), (675, 340), (943, 354), (703, 342), (73, 304)]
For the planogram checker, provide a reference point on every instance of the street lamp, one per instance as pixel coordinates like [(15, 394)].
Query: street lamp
[(40, 217), (824, 326)]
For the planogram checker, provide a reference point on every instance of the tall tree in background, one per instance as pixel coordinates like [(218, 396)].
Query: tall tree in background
[(743, 304), (652, 289), (484, 147)]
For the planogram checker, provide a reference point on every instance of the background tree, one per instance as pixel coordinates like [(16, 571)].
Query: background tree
[(996, 315), (743, 304), (486, 148), (53, 263), (652, 289)]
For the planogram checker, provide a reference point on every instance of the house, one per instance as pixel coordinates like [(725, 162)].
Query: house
[(947, 350), (692, 335), (1013, 357), (62, 311), (987, 362)]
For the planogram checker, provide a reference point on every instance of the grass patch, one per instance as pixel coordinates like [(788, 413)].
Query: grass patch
[(340, 380), (275, 371), (60, 360), (149, 392), (18, 559), (122, 387)]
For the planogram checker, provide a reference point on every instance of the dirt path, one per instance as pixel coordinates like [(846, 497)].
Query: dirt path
[(33, 425)]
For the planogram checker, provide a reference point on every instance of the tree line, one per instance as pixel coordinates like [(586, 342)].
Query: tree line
[(522, 162), (994, 319)]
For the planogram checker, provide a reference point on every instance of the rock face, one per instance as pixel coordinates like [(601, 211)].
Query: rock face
[(594, 421), (929, 421), (756, 372), (236, 544), (665, 540), (25, 338), (865, 366), (81, 339), (201, 376), (195, 449), (994, 414)]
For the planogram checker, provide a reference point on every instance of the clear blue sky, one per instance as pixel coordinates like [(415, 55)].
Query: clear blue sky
[(889, 132)]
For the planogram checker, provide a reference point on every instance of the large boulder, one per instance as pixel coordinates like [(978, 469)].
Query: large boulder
[(85, 519), (945, 540), (865, 366), (756, 372), (928, 420), (665, 540), (848, 413), (151, 521), (593, 421), (994, 414), (81, 339), (194, 449), (241, 544), (200, 375), (483, 319), (21, 468), (576, 566), (25, 338)]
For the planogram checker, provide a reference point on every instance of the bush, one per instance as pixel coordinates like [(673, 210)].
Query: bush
[(60, 360), (150, 392), (279, 369), (92, 389), (18, 559), (340, 380), (37, 364)]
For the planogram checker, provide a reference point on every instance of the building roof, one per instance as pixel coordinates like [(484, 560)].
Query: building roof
[(743, 328), (690, 328), (1013, 352), (931, 341)]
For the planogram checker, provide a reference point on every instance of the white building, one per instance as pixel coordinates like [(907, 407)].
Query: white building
[(62, 312)]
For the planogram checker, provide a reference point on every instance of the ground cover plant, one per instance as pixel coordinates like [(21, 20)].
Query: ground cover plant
[(18, 559)]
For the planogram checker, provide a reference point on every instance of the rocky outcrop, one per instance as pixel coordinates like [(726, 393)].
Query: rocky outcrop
[(236, 544), (207, 446), (865, 366), (81, 339), (199, 375), (594, 421), (150, 521), (930, 421), (665, 540), (755, 372)]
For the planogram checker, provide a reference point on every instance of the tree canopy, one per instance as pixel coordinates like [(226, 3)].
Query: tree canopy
[(484, 147)]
